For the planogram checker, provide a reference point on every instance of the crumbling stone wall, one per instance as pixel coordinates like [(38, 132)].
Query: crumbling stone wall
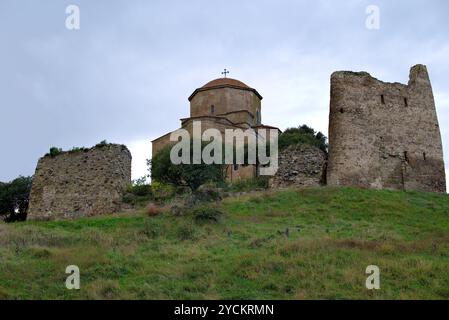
[(300, 165), (384, 135), (82, 183)]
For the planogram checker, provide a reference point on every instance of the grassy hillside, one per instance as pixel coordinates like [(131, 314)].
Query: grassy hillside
[(333, 235)]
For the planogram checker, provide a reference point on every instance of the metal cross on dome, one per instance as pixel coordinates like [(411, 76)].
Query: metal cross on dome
[(225, 72)]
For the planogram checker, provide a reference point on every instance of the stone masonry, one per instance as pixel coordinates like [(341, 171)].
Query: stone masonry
[(384, 135), (81, 183), (300, 165)]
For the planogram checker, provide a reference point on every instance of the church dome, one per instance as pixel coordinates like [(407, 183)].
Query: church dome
[(224, 83)]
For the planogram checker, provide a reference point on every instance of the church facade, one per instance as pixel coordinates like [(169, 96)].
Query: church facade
[(222, 104)]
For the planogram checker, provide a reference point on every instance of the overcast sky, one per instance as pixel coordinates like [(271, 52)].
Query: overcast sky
[(126, 74)]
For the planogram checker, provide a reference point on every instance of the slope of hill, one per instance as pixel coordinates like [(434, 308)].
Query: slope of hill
[(289, 244)]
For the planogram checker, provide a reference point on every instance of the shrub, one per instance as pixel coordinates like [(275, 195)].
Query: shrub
[(101, 144), (152, 228), (249, 185), (302, 134), (208, 192), (186, 231), (138, 192), (143, 190), (14, 199), (191, 175), (54, 152), (153, 210), (78, 149), (162, 191), (204, 215)]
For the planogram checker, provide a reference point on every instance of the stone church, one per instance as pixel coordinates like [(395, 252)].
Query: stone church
[(223, 103)]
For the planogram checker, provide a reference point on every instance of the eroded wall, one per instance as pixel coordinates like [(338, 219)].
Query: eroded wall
[(300, 165), (78, 184)]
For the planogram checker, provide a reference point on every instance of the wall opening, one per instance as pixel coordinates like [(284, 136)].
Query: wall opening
[(405, 156), (405, 102), (382, 98), (212, 109), (424, 156), (342, 110)]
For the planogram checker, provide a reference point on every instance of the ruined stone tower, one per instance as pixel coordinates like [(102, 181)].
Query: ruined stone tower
[(80, 183), (384, 135)]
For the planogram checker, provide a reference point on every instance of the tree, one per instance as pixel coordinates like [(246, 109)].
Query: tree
[(302, 134), (14, 199), (192, 175)]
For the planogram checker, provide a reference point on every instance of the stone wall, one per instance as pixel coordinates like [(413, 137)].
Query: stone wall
[(384, 135), (82, 183), (300, 165)]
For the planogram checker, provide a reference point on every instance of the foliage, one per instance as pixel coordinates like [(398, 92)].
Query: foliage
[(101, 144), (162, 191), (208, 192), (207, 214), (256, 183), (138, 192), (153, 210), (54, 151), (78, 149), (191, 175), (302, 134), (14, 199)]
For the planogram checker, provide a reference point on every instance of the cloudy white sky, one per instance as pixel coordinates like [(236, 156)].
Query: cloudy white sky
[(125, 76)]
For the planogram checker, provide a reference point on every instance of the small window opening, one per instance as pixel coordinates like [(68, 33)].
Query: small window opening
[(382, 98), (212, 109), (424, 156), (406, 102), (405, 156), (342, 110)]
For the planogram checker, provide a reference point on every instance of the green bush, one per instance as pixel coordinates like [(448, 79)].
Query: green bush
[(302, 134), (204, 215), (208, 192), (138, 192), (249, 185), (152, 228), (191, 175), (186, 231), (163, 191), (101, 144), (14, 199), (54, 152)]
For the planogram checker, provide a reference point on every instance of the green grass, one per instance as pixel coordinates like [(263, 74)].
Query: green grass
[(333, 235)]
